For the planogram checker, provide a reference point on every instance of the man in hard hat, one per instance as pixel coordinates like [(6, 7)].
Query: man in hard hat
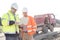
[(28, 26), (47, 25), (10, 23)]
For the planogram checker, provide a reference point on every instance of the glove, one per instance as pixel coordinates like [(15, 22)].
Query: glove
[(11, 22)]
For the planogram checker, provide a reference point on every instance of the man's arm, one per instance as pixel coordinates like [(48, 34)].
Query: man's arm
[(5, 20), (34, 24)]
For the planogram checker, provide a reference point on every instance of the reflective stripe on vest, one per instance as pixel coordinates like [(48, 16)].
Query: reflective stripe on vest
[(34, 29), (8, 17), (10, 32), (29, 26), (29, 30)]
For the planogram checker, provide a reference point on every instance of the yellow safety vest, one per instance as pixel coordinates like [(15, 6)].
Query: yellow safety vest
[(9, 29)]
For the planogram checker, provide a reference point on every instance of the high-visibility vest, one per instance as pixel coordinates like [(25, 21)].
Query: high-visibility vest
[(9, 29), (31, 26)]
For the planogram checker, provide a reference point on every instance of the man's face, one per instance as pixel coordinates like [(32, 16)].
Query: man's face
[(13, 10), (25, 14)]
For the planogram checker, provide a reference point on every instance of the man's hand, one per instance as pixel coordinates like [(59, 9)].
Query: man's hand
[(25, 31), (11, 22), (22, 25), (17, 23)]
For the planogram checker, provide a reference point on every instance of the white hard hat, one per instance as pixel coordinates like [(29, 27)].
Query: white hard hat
[(24, 10), (14, 5)]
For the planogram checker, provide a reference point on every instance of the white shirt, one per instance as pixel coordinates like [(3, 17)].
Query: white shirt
[(24, 20)]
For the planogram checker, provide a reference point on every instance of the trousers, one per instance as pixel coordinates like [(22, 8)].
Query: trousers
[(12, 37), (27, 37)]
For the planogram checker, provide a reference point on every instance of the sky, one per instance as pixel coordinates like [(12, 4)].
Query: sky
[(35, 7)]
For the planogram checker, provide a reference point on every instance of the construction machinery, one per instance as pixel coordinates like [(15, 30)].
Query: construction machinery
[(41, 18)]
